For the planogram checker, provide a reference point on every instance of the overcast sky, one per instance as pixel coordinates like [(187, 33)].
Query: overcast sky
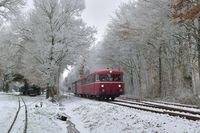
[(97, 13)]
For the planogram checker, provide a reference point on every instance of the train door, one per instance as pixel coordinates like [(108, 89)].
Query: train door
[(93, 84), (74, 88)]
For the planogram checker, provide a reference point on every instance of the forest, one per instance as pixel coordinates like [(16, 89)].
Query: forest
[(155, 42)]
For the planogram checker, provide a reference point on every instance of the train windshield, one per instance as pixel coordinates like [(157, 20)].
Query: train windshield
[(109, 77)]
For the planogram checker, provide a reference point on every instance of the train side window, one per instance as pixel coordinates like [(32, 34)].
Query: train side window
[(97, 77), (88, 79), (83, 81), (93, 78)]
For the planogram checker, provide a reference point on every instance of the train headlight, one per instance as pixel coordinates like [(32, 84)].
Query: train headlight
[(119, 86), (121, 90), (103, 90), (102, 86)]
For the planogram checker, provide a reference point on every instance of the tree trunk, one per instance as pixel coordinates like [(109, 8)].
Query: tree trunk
[(132, 84), (57, 81), (160, 72), (191, 64), (139, 74), (51, 88), (198, 45)]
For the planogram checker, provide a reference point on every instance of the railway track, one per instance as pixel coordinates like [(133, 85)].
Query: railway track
[(185, 113), (160, 102), (16, 118)]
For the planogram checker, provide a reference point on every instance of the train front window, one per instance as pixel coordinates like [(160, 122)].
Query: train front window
[(109, 77), (116, 77)]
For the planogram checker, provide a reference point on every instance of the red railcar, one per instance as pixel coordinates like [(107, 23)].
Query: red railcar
[(102, 84)]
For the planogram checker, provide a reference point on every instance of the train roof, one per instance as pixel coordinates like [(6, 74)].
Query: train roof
[(108, 71)]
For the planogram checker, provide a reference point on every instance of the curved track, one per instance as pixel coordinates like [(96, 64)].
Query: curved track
[(17, 115), (161, 109)]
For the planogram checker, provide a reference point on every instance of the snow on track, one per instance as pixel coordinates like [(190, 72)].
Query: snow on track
[(158, 110), (194, 109), (186, 110)]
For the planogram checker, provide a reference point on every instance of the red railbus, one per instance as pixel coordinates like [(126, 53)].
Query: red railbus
[(102, 84)]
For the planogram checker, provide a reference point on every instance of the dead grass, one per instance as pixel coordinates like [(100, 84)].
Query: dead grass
[(191, 101)]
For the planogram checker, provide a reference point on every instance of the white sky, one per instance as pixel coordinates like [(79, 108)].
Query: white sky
[(98, 13)]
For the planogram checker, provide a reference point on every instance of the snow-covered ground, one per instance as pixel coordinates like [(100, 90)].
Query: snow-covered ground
[(100, 117), (8, 105), (40, 119), (89, 116)]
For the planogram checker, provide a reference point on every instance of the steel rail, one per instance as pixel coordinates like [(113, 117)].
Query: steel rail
[(161, 102), (186, 116), (26, 116), (15, 118), (17, 114), (154, 105)]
